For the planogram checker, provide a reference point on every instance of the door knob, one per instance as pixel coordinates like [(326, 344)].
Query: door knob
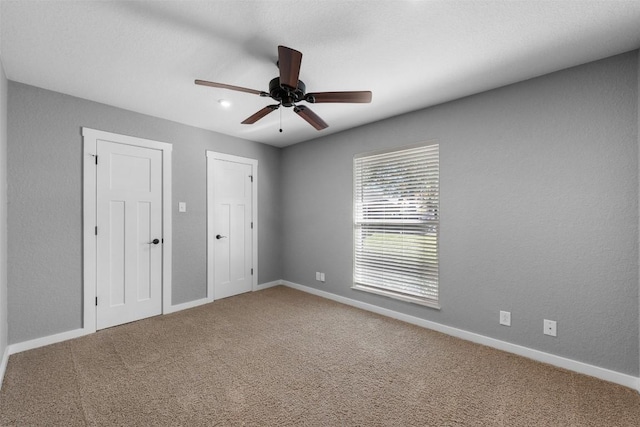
[(220, 237), (154, 241)]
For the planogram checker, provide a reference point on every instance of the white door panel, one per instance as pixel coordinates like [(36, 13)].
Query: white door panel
[(222, 217), (231, 231), (129, 218)]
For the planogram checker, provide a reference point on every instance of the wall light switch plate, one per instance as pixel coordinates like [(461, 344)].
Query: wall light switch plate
[(505, 318), (550, 327), (182, 207)]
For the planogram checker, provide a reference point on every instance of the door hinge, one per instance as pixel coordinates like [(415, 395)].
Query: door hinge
[(96, 156), (96, 230), (252, 271), (251, 176), (252, 225), (96, 301)]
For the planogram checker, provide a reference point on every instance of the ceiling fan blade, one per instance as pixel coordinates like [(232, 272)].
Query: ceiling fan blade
[(289, 61), (231, 87), (260, 114), (351, 97), (311, 117)]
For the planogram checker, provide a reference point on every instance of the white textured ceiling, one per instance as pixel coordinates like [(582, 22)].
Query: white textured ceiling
[(144, 56)]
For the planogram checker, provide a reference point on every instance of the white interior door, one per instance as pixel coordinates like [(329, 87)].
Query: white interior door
[(129, 233), (230, 231)]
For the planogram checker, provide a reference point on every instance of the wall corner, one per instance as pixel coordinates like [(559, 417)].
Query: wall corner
[(4, 321), (638, 138)]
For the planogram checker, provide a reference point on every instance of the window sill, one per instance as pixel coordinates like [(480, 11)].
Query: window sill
[(407, 298)]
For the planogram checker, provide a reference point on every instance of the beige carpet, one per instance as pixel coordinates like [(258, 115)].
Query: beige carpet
[(280, 357)]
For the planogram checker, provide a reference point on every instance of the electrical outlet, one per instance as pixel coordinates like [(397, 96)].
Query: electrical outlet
[(322, 277), (318, 276), (550, 327), (182, 207), (505, 318)]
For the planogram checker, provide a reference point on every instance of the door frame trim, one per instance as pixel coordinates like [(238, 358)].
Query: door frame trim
[(211, 156), (90, 139)]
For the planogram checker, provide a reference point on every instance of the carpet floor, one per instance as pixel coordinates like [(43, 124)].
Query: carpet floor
[(280, 357)]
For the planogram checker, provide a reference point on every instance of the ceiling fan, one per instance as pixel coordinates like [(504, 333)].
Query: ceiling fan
[(287, 90)]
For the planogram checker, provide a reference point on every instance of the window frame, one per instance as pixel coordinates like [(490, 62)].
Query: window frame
[(425, 301)]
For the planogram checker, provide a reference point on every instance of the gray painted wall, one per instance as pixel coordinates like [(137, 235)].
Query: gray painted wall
[(45, 211), (3, 213), (539, 205)]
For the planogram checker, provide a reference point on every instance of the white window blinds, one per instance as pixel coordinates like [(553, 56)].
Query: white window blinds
[(396, 213)]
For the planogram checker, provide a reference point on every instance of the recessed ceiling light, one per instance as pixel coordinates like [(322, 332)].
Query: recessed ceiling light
[(224, 103)]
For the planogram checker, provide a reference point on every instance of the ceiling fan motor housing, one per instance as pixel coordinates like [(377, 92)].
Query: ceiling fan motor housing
[(286, 95)]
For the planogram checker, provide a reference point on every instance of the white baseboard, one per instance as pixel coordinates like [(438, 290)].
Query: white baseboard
[(540, 356), (186, 305), (262, 286), (3, 365), (562, 362), (51, 339), (76, 333)]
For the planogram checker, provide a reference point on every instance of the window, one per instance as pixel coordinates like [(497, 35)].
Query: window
[(396, 223)]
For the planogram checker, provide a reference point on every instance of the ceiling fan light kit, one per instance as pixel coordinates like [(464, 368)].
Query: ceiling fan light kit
[(287, 90)]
